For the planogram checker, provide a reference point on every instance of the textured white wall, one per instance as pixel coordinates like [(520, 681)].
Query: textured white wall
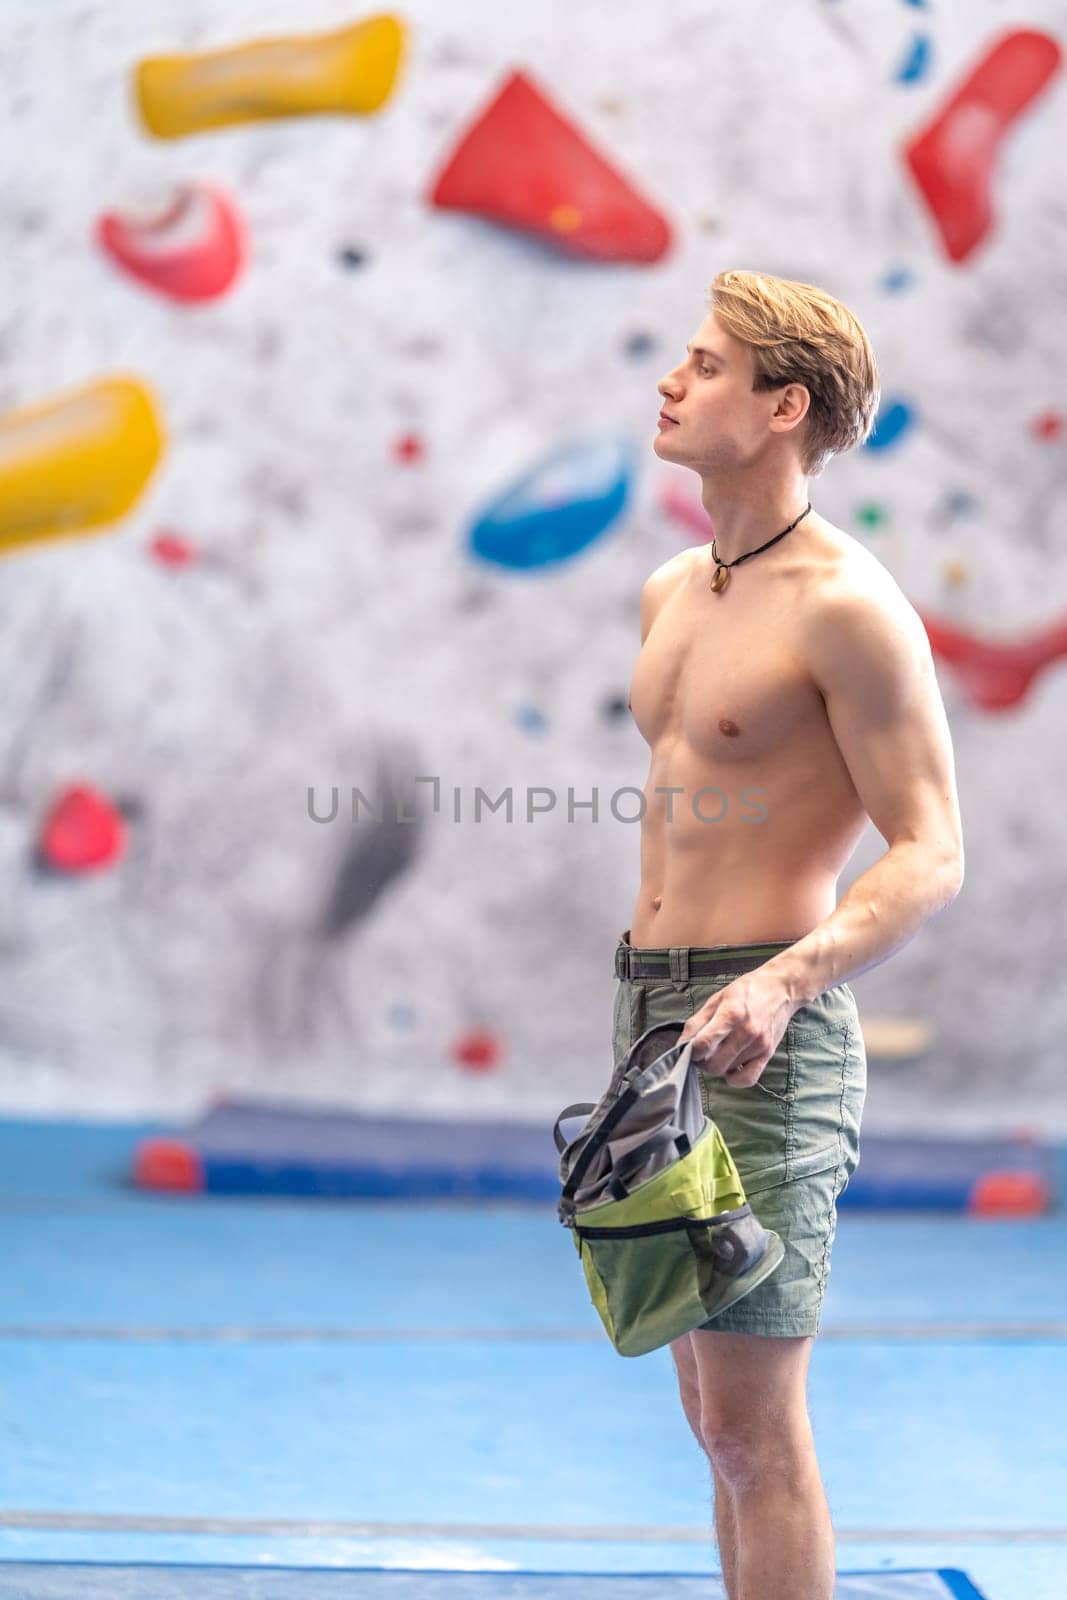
[(338, 620)]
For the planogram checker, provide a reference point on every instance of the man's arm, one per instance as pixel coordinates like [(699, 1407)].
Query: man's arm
[(872, 663)]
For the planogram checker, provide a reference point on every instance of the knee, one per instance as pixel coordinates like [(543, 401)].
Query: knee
[(748, 1450)]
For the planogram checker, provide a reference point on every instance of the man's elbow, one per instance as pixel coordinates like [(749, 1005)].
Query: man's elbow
[(952, 876)]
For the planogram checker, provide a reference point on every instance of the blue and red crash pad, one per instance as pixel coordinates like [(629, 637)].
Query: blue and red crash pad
[(248, 1147), (31, 1580)]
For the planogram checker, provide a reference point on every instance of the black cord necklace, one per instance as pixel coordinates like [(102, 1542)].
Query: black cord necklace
[(722, 568)]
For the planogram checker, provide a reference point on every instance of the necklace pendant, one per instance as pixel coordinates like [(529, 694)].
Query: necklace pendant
[(720, 580)]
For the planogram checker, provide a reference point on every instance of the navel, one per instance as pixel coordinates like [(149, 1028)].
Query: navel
[(729, 728)]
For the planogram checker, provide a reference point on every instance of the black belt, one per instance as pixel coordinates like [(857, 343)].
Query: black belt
[(678, 964)]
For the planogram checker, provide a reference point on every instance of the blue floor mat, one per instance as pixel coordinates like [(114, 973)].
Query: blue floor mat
[(207, 1389), (60, 1581)]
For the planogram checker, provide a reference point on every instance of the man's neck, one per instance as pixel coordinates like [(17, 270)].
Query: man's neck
[(743, 520)]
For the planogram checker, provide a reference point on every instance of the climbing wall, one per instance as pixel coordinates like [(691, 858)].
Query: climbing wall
[(330, 349)]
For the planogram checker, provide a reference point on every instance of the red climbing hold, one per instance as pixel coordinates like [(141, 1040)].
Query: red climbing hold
[(682, 507), (952, 158), (172, 550), (477, 1050), (995, 677), (193, 250), (524, 164), (1048, 426), (82, 831), (409, 447)]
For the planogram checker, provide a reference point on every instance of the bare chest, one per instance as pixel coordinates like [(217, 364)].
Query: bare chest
[(726, 675)]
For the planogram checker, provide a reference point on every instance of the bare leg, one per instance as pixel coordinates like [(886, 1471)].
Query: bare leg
[(756, 1431), (726, 1535), (725, 1524)]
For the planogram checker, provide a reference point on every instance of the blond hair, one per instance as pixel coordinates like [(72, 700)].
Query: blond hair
[(798, 333)]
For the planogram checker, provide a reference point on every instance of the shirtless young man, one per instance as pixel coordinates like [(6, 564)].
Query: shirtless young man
[(801, 698)]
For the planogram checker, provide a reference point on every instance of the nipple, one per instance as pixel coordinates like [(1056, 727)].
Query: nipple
[(729, 728)]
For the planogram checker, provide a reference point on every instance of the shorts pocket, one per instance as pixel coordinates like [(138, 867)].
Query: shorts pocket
[(784, 1094), (828, 1012), (831, 1082), (799, 1165)]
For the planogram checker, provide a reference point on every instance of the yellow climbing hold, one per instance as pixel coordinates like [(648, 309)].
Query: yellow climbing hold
[(565, 218), (351, 70), (76, 461)]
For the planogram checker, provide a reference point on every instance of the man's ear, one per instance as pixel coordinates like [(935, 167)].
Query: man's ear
[(794, 403)]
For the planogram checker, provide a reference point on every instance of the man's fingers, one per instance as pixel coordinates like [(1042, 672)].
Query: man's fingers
[(722, 1056), (693, 1027), (705, 1031), (736, 1068), (744, 1074), (724, 1048)]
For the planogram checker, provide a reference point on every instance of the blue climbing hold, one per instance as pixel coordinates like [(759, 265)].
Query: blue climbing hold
[(891, 424), (916, 64), (559, 508)]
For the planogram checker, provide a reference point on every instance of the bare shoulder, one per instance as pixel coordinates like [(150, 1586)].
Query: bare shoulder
[(848, 580), (858, 618), (673, 570), (661, 583)]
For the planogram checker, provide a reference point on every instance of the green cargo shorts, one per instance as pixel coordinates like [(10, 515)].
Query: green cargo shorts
[(794, 1135)]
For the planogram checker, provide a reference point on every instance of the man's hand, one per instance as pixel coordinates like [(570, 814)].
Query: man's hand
[(739, 1028)]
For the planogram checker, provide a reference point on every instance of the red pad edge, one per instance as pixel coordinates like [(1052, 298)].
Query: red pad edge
[(1010, 1194), (168, 1164)]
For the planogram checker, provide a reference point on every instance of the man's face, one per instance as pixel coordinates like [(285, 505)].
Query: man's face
[(721, 423)]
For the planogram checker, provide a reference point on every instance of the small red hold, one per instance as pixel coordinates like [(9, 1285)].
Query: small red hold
[(168, 1164), (82, 831), (409, 447), (1048, 426), (172, 550), (477, 1050)]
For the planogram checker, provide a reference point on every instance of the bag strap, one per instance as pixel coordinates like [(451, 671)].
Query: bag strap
[(581, 1108), (597, 1139)]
